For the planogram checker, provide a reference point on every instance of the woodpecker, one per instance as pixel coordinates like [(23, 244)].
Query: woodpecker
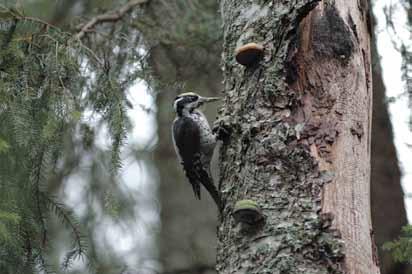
[(194, 142)]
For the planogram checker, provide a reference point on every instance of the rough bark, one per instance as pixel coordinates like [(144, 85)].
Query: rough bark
[(300, 138), (387, 198), (200, 72)]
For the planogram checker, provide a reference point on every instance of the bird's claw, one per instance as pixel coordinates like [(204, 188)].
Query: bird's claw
[(222, 132)]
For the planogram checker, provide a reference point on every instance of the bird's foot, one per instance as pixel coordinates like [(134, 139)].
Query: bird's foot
[(222, 132)]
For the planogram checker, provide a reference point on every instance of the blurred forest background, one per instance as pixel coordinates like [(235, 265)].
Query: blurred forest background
[(89, 181)]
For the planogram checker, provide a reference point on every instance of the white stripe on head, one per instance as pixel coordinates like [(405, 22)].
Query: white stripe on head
[(176, 102)]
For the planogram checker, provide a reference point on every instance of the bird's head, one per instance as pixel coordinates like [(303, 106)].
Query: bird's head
[(187, 102)]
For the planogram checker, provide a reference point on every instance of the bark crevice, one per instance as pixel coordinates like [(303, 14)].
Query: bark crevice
[(287, 119)]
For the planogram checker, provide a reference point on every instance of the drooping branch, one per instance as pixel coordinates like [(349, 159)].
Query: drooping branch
[(111, 16)]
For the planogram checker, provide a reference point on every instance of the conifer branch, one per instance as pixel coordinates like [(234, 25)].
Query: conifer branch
[(37, 178), (111, 16), (66, 216), (19, 16)]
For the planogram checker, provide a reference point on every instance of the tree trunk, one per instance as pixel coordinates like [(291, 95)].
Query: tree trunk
[(387, 199), (299, 146)]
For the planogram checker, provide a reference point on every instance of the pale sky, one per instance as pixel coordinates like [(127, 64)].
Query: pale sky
[(399, 110), (137, 178)]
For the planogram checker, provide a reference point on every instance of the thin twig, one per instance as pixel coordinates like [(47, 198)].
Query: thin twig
[(37, 179), (111, 16), (64, 215)]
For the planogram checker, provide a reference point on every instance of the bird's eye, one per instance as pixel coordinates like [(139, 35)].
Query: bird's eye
[(195, 98)]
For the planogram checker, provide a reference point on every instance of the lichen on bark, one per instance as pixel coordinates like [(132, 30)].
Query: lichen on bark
[(279, 153), (263, 160)]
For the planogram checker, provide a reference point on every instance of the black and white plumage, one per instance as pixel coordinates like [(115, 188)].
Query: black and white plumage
[(194, 142)]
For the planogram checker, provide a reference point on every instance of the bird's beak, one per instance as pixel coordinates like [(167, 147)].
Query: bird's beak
[(209, 99)]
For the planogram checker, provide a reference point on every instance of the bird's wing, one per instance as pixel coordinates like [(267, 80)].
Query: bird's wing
[(186, 136)]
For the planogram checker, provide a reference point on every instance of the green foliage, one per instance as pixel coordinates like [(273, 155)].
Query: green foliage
[(184, 23), (57, 95), (49, 82), (4, 146), (401, 248), (38, 83), (8, 221)]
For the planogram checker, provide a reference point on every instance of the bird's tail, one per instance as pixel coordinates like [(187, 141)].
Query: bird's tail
[(194, 181), (200, 175), (210, 187)]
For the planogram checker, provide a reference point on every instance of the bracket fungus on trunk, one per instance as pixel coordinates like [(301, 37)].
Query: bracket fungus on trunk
[(247, 212), (249, 54)]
